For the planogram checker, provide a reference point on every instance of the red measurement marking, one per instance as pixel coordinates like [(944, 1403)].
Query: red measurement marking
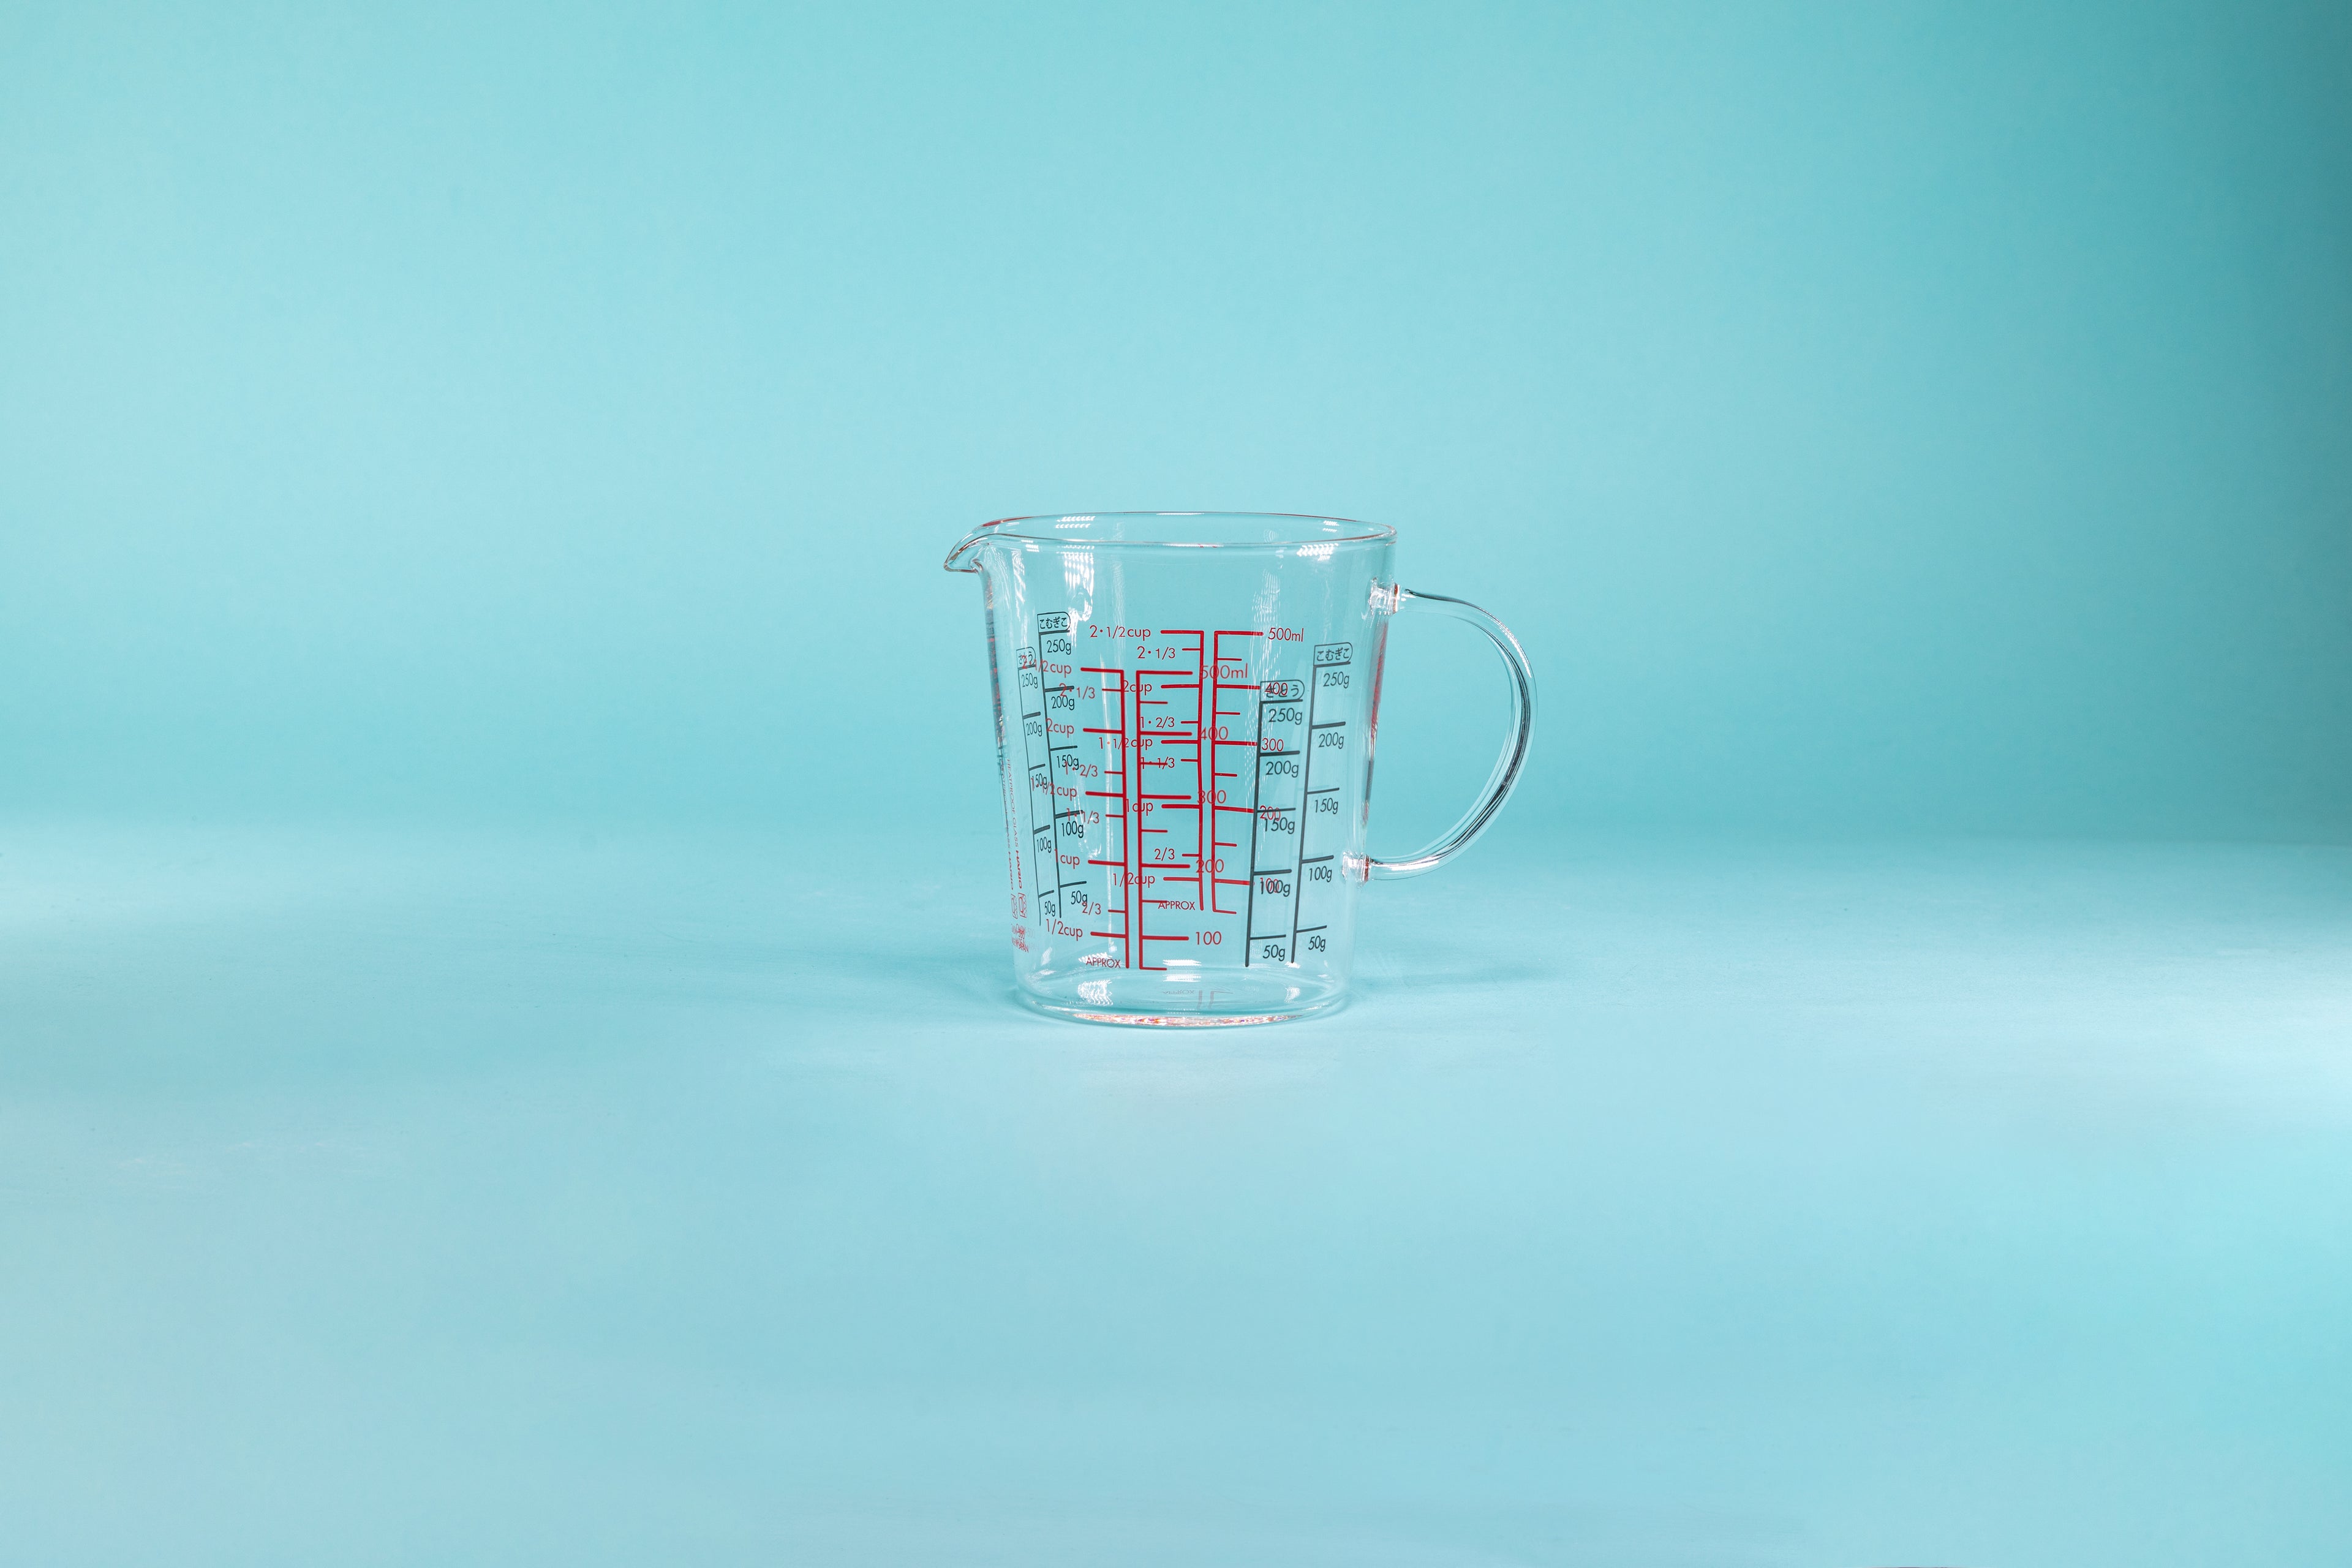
[(1135, 732), (1131, 845)]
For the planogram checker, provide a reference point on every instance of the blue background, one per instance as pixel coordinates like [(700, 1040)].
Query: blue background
[(1888, 417), (505, 1044)]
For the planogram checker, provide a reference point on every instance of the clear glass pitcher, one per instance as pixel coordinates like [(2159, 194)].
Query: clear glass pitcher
[(1185, 710)]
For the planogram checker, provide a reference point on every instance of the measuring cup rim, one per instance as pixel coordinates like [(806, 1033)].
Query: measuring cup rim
[(1054, 529)]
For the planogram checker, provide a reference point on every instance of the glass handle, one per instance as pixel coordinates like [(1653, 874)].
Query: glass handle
[(1474, 822)]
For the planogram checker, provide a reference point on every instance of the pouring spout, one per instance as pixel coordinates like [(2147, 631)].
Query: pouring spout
[(962, 557)]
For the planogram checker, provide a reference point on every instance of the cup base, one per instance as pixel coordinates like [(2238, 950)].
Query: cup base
[(1183, 999)]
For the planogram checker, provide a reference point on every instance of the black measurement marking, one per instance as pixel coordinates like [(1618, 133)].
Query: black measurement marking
[(1056, 622), (1326, 656), (1041, 775)]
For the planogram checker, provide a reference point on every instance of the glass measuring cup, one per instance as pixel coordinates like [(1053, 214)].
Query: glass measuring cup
[(1185, 710)]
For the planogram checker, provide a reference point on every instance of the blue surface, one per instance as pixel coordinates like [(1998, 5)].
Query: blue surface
[(387, 1198)]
